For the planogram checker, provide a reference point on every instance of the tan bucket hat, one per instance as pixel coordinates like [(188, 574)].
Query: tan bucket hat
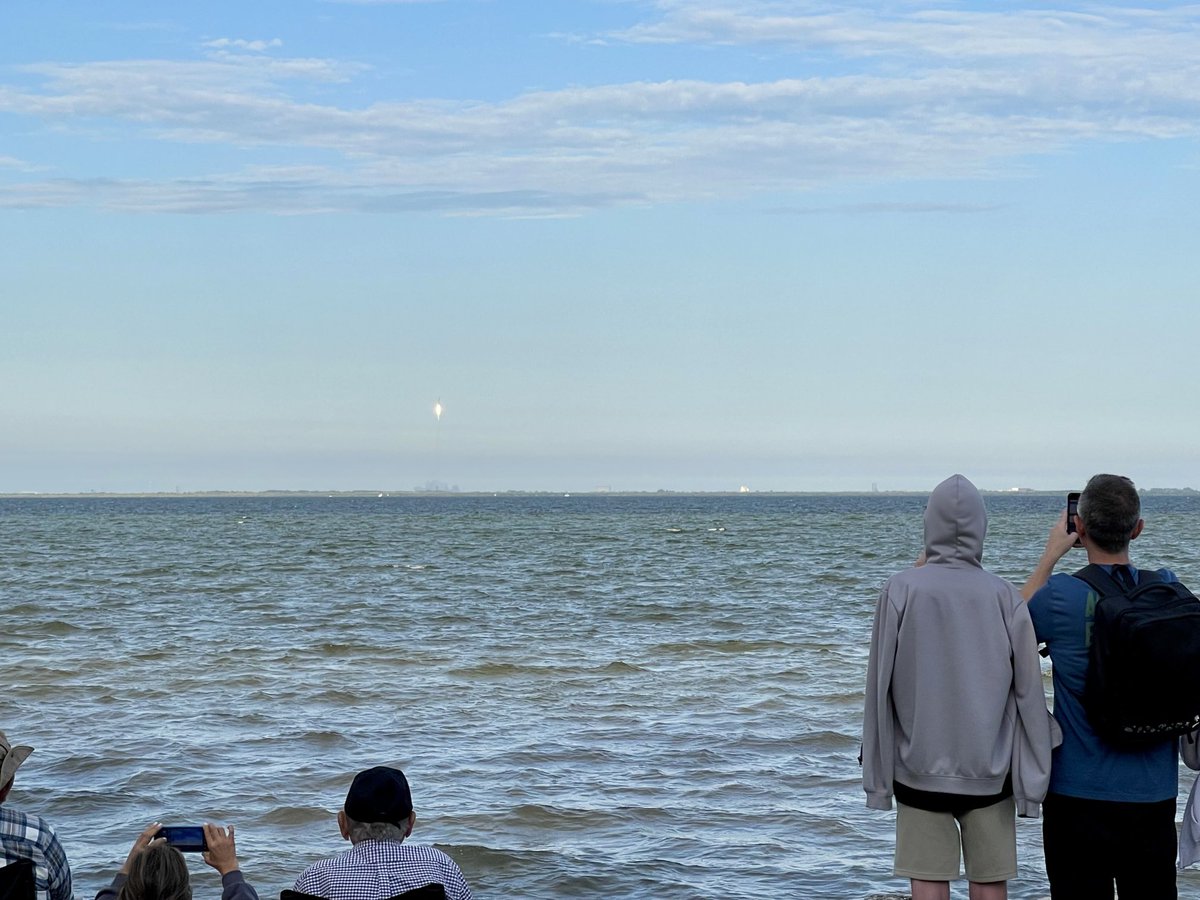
[(10, 759)]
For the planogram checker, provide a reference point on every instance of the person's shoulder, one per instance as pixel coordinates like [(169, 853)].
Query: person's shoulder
[(915, 579), (431, 854), (1058, 587), (1166, 575), (904, 576), (309, 871), (986, 584), (26, 821), (1064, 583), (1007, 593), (897, 589), (421, 850), (319, 868), (9, 814), (998, 582)]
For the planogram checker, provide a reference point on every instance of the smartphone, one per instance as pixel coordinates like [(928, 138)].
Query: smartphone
[(1072, 510), (188, 838)]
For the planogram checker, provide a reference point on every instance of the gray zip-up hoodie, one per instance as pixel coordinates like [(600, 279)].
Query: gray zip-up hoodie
[(954, 688)]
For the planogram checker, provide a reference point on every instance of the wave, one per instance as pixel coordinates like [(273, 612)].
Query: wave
[(492, 670), (295, 815), (731, 646)]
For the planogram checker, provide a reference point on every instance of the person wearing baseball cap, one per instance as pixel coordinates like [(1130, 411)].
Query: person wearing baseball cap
[(376, 818), (25, 836)]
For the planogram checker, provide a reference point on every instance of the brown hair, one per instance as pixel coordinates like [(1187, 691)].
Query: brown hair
[(157, 873), (1110, 509)]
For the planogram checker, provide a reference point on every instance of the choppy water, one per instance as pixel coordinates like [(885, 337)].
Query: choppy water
[(618, 697)]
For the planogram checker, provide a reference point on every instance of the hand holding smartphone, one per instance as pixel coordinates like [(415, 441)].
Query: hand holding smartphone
[(1072, 511)]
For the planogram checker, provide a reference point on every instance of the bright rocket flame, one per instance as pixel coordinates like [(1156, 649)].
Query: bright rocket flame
[(437, 410)]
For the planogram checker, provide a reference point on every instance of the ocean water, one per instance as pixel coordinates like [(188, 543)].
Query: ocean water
[(596, 696)]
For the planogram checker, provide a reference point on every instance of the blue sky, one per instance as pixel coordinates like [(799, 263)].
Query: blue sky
[(634, 245)]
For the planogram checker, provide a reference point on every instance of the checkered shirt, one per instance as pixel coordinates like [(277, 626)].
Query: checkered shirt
[(30, 837), (377, 870)]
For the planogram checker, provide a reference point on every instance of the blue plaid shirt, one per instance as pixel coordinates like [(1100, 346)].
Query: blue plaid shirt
[(30, 837), (377, 870)]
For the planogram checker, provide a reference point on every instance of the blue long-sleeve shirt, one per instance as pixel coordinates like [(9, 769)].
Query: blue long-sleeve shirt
[(1084, 765)]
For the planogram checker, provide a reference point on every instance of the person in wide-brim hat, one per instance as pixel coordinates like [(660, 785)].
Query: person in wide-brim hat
[(10, 759), (27, 836)]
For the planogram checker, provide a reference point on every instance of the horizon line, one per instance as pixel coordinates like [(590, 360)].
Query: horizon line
[(523, 492)]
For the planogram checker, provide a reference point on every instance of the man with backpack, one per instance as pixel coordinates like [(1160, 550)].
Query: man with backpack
[(1110, 813)]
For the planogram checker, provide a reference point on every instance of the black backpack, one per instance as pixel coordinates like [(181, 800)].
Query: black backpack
[(1143, 677)]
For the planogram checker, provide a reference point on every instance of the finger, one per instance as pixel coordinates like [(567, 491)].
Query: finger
[(144, 839)]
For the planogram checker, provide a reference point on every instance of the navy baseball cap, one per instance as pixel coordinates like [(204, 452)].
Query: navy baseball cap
[(380, 794)]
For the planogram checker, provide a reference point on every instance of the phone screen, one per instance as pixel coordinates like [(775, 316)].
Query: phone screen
[(1072, 510), (188, 838)]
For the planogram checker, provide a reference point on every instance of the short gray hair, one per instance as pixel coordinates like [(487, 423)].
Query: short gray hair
[(374, 831), (1110, 508)]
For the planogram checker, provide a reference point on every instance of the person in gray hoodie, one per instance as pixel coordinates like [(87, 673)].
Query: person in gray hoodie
[(956, 725)]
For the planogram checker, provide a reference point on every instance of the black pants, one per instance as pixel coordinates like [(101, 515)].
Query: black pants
[(1092, 844)]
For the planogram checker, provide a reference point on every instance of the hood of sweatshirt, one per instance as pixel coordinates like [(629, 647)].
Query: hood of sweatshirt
[(955, 523)]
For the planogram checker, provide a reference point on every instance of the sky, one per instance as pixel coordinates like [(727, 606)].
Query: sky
[(626, 244)]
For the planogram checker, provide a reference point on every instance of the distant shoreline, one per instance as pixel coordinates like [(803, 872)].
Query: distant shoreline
[(363, 494)]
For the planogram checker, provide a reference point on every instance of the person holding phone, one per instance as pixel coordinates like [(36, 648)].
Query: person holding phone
[(156, 870), (1110, 811)]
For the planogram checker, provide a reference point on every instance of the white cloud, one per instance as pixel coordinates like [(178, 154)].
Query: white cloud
[(293, 197), (944, 101), (239, 44), (923, 32)]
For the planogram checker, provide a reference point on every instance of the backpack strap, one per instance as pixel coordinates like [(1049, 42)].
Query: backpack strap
[(1099, 581), (1094, 576)]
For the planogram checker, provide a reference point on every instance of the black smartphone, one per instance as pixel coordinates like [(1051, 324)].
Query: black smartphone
[(188, 838), (1072, 510)]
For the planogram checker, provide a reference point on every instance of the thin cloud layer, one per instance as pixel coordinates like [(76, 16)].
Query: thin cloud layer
[(920, 93), (915, 33), (257, 46)]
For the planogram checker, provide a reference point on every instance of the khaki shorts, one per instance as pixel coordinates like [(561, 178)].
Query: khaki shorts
[(927, 843)]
